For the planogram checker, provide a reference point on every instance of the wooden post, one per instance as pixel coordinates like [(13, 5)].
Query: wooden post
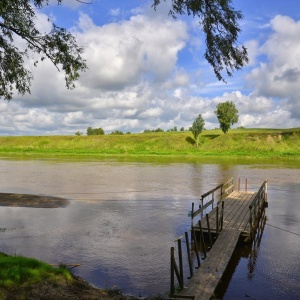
[(250, 221), (222, 215), (265, 202), (239, 184), (172, 291), (196, 248), (192, 219), (189, 254), (246, 186), (208, 229), (217, 221), (202, 239), (180, 261)]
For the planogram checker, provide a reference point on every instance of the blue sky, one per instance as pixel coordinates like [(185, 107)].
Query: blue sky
[(146, 70)]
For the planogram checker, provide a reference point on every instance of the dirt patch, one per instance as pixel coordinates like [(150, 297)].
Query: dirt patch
[(26, 200), (78, 289)]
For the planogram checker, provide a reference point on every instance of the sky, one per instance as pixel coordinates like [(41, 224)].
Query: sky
[(146, 70)]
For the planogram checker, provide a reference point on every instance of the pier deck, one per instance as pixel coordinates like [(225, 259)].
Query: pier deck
[(236, 213), (239, 216)]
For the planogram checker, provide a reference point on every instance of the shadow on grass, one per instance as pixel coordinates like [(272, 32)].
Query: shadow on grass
[(190, 140)]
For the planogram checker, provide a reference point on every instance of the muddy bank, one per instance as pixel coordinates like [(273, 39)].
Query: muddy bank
[(26, 200), (78, 289)]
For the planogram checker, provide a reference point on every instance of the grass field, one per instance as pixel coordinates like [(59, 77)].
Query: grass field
[(18, 270), (236, 143)]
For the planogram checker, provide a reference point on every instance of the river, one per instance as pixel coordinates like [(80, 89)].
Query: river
[(123, 217)]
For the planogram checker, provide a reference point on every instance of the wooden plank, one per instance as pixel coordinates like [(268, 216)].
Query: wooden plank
[(206, 279)]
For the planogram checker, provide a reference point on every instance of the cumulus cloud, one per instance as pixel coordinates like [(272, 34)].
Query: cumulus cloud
[(122, 54), (279, 75)]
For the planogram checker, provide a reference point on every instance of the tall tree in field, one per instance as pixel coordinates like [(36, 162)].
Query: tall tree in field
[(217, 18), (197, 127), (227, 115)]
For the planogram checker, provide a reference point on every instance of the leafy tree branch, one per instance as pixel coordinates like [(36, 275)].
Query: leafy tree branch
[(220, 23), (17, 17)]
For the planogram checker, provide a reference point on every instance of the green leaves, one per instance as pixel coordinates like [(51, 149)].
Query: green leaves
[(17, 17), (219, 22), (197, 127), (227, 115)]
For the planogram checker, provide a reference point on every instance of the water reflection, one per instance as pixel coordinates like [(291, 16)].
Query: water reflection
[(124, 215)]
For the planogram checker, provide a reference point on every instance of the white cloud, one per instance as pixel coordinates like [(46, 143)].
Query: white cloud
[(153, 112), (279, 76), (121, 54)]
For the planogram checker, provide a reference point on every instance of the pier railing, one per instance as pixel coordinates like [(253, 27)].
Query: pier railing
[(212, 197), (257, 206), (195, 247)]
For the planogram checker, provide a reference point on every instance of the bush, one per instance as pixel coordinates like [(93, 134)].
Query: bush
[(94, 131)]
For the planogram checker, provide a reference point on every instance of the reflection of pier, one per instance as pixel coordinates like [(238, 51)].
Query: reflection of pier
[(223, 218)]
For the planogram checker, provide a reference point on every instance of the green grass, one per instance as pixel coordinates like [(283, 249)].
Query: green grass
[(236, 143), (19, 271)]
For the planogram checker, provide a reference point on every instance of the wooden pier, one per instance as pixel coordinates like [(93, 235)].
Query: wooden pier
[(224, 216)]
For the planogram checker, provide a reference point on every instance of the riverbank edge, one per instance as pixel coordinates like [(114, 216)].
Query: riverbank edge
[(178, 155), (58, 287)]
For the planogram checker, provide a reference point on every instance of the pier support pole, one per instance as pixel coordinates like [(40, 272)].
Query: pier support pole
[(196, 248), (180, 262), (202, 239), (172, 290), (189, 254), (208, 230)]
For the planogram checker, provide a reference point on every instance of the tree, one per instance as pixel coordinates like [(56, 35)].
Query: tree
[(219, 22), (17, 18), (94, 131), (197, 127), (117, 132), (227, 115)]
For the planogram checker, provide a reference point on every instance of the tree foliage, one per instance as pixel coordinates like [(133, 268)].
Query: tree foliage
[(17, 18), (197, 128), (117, 132), (219, 22), (94, 131), (227, 115)]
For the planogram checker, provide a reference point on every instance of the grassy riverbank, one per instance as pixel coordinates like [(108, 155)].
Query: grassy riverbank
[(28, 278), (236, 143)]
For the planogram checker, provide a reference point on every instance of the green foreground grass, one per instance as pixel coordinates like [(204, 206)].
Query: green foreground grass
[(236, 143), (21, 271)]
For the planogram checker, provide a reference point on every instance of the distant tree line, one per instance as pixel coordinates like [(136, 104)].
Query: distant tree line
[(226, 113), (99, 131)]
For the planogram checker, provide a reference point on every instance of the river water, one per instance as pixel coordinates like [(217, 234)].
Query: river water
[(123, 217)]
